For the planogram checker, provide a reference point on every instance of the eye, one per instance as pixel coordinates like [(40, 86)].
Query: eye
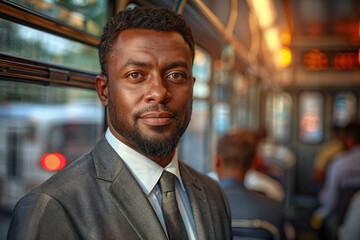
[(177, 77), (134, 75)]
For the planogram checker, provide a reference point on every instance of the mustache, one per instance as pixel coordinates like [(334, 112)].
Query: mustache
[(158, 107)]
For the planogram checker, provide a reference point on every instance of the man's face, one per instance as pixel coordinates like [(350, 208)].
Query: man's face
[(149, 90)]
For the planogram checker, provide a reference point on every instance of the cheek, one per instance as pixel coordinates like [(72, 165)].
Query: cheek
[(183, 102), (125, 98)]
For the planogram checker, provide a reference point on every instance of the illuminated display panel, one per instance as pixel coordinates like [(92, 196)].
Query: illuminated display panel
[(317, 60)]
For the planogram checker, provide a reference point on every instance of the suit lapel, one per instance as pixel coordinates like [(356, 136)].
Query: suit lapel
[(126, 193), (135, 206), (199, 204)]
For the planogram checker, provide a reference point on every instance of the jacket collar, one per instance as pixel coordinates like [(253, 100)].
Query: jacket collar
[(126, 193), (129, 197)]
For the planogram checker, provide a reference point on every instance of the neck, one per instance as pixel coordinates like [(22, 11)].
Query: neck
[(233, 173), (163, 162)]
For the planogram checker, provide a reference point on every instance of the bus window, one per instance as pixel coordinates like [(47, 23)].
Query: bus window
[(194, 143), (39, 120), (221, 118), (344, 108), (202, 73), (85, 15), (26, 42), (278, 116), (311, 117), (240, 100)]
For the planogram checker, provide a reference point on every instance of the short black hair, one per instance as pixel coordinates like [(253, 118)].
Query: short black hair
[(238, 149), (147, 17), (352, 130)]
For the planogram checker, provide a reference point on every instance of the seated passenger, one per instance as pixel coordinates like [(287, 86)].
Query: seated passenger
[(344, 166), (234, 157), (325, 154)]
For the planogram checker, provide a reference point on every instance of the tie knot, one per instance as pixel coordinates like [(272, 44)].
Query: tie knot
[(167, 182)]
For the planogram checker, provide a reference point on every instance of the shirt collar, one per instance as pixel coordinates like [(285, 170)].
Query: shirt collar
[(146, 172)]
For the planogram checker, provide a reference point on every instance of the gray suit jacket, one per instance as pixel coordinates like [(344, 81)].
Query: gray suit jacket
[(96, 197)]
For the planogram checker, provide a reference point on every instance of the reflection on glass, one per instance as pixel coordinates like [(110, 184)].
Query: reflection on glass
[(202, 73), (221, 117), (278, 115), (85, 15), (36, 121), (193, 147), (240, 99), (311, 117), (344, 108), (30, 43)]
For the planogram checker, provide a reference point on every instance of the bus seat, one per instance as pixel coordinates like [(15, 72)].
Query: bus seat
[(348, 187), (257, 229)]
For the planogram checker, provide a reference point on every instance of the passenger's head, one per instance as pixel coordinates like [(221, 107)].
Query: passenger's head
[(352, 134), (151, 18), (148, 55), (337, 131), (235, 152)]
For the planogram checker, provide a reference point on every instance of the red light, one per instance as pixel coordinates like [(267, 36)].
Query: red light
[(315, 60), (53, 161)]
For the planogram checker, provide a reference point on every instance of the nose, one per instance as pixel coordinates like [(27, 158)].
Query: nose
[(157, 91)]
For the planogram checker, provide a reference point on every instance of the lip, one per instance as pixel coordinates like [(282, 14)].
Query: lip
[(157, 118)]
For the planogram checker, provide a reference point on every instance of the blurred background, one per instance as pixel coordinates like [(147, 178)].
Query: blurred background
[(286, 69)]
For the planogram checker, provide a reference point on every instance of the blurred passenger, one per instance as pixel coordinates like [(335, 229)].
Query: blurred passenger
[(131, 185), (234, 157), (350, 229), (263, 183), (258, 163), (259, 177), (344, 166), (325, 154)]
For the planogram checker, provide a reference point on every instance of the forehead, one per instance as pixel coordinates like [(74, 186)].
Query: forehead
[(146, 40)]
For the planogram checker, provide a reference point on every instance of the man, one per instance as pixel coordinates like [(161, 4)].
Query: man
[(325, 154), (234, 157), (345, 166), (146, 56)]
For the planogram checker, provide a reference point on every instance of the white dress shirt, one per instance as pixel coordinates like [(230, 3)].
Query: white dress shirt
[(147, 173)]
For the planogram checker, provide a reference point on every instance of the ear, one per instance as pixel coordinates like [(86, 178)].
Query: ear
[(219, 165), (101, 84), (218, 161)]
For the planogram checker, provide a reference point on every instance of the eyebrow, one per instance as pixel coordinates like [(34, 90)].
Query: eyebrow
[(137, 63), (177, 64), (168, 66)]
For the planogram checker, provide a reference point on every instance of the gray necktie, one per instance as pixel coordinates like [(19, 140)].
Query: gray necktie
[(174, 223)]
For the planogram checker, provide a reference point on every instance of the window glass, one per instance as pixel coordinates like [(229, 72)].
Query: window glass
[(193, 146), (26, 42), (202, 73), (311, 117), (240, 100), (86, 15), (278, 115), (221, 117), (344, 108), (37, 124)]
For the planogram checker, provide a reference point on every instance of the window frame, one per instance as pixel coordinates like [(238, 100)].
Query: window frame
[(15, 68)]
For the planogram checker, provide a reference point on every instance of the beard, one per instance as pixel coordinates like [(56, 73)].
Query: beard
[(150, 146)]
